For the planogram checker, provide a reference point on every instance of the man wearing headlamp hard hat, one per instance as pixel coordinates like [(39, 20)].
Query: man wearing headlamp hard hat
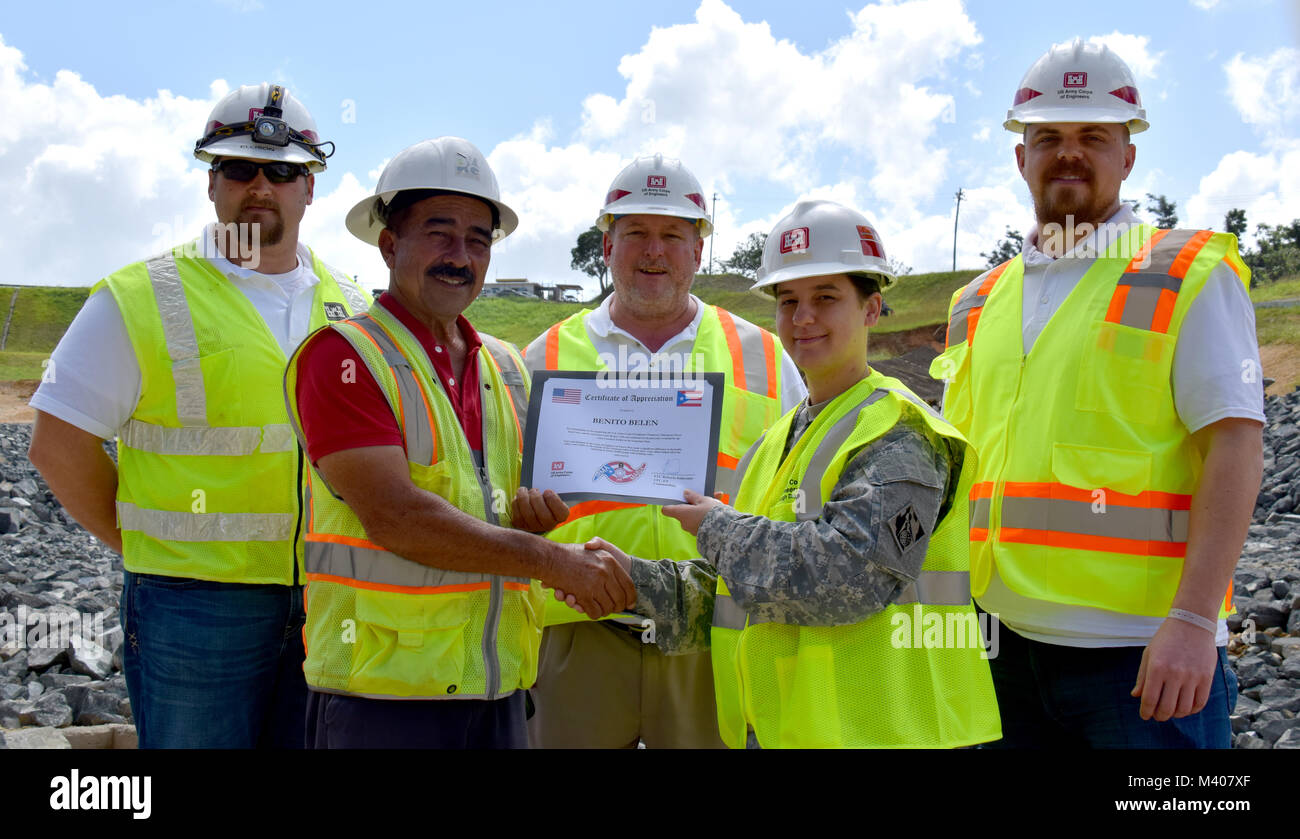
[(181, 358), (846, 546), (1108, 376), (417, 587), (599, 686)]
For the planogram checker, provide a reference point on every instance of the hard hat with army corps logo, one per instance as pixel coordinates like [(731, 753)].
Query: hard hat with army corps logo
[(819, 238), (447, 164), (657, 186), (1077, 82)]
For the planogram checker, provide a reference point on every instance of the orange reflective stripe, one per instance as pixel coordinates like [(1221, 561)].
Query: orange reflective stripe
[(1164, 310), (769, 357), (591, 508), (343, 540), (1150, 498), (1139, 260), (733, 344), (553, 347), (1185, 256), (1227, 598), (726, 461), (1109, 544), (983, 489), (401, 409), (979, 534), (1115, 314), (452, 589), (428, 409)]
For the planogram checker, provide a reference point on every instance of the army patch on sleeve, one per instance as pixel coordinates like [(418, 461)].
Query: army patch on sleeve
[(907, 529)]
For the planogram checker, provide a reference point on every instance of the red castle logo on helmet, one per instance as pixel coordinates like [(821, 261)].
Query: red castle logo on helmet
[(795, 240), (1077, 79), (656, 181)]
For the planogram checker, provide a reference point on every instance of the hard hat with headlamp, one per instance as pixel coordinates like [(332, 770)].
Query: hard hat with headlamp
[(262, 122)]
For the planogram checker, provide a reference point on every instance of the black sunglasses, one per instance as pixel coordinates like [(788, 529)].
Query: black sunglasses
[(277, 172)]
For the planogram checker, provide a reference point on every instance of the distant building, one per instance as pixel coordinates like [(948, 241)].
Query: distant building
[(521, 287)]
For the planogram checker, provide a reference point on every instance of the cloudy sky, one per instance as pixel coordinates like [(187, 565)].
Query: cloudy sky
[(889, 107)]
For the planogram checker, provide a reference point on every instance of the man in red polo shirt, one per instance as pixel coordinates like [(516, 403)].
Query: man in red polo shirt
[(414, 590)]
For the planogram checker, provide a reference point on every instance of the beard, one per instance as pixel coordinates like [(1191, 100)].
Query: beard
[(1071, 205), (267, 234)]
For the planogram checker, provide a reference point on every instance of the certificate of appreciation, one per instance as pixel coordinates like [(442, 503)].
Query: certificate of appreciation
[(603, 436)]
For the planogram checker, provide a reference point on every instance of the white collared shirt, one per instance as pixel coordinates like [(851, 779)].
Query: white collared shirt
[(606, 337), (96, 378)]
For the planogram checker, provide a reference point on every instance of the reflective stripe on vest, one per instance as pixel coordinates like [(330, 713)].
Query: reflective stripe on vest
[(931, 588), (1145, 295), (202, 440), (512, 374), (182, 345), (752, 352), (205, 527), (349, 561), (966, 311)]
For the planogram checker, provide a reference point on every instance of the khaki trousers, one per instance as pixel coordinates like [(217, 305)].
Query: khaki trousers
[(599, 687)]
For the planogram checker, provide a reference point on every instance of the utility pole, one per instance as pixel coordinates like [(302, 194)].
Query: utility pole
[(956, 216), (712, 237)]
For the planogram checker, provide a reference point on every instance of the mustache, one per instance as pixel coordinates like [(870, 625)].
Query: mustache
[(1070, 170), (265, 203), (459, 272)]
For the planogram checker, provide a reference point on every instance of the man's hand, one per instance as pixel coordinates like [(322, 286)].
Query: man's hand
[(593, 579), (537, 511), (624, 563), (1176, 671), (693, 511)]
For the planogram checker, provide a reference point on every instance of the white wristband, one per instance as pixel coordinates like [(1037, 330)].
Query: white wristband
[(1195, 619)]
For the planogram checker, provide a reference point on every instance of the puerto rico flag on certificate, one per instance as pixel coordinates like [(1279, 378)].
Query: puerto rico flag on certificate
[(690, 399), (566, 395)]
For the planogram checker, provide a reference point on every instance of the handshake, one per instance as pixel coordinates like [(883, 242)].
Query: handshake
[(592, 578)]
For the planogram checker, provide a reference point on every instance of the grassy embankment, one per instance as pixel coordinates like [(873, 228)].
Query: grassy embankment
[(40, 317)]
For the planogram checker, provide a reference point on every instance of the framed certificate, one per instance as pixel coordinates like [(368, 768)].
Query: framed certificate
[(604, 436)]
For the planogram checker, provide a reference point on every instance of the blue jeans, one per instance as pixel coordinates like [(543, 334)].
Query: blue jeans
[(214, 665), (1053, 696)]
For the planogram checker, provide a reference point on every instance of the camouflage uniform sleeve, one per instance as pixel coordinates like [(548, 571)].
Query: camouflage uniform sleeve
[(678, 597), (864, 549)]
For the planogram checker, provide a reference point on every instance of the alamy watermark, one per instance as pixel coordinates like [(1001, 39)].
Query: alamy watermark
[(243, 240), (51, 629), (922, 630), (1081, 241)]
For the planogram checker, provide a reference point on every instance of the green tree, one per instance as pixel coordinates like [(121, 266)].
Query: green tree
[(1235, 222), (1276, 254), (589, 256), (1006, 249), (1165, 211), (748, 256)]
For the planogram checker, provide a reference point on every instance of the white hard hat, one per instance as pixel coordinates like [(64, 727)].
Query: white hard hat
[(1077, 82), (657, 186), (262, 122), (819, 238), (447, 164)]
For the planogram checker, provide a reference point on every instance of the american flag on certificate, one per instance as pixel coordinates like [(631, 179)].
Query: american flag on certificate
[(690, 399), (566, 395)]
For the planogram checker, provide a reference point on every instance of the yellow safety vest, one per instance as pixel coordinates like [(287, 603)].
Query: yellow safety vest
[(749, 358), (210, 374), (912, 675), (382, 626), (1086, 473)]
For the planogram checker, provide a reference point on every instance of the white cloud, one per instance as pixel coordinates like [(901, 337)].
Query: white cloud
[(1205, 4), (1265, 185), (1135, 50), (1266, 91)]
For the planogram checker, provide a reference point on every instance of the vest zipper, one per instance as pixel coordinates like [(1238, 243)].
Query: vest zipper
[(297, 528), (492, 623), (995, 510)]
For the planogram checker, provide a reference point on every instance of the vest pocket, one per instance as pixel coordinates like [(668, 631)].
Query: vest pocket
[(1093, 468), (1124, 372), (409, 644)]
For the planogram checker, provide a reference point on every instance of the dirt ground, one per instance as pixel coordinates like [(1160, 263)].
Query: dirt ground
[(1282, 363), (13, 400)]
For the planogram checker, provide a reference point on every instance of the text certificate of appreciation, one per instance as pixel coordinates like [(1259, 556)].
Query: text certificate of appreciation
[(636, 440)]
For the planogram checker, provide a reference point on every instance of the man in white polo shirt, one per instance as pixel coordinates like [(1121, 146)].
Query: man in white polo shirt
[(1108, 378), (181, 357)]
